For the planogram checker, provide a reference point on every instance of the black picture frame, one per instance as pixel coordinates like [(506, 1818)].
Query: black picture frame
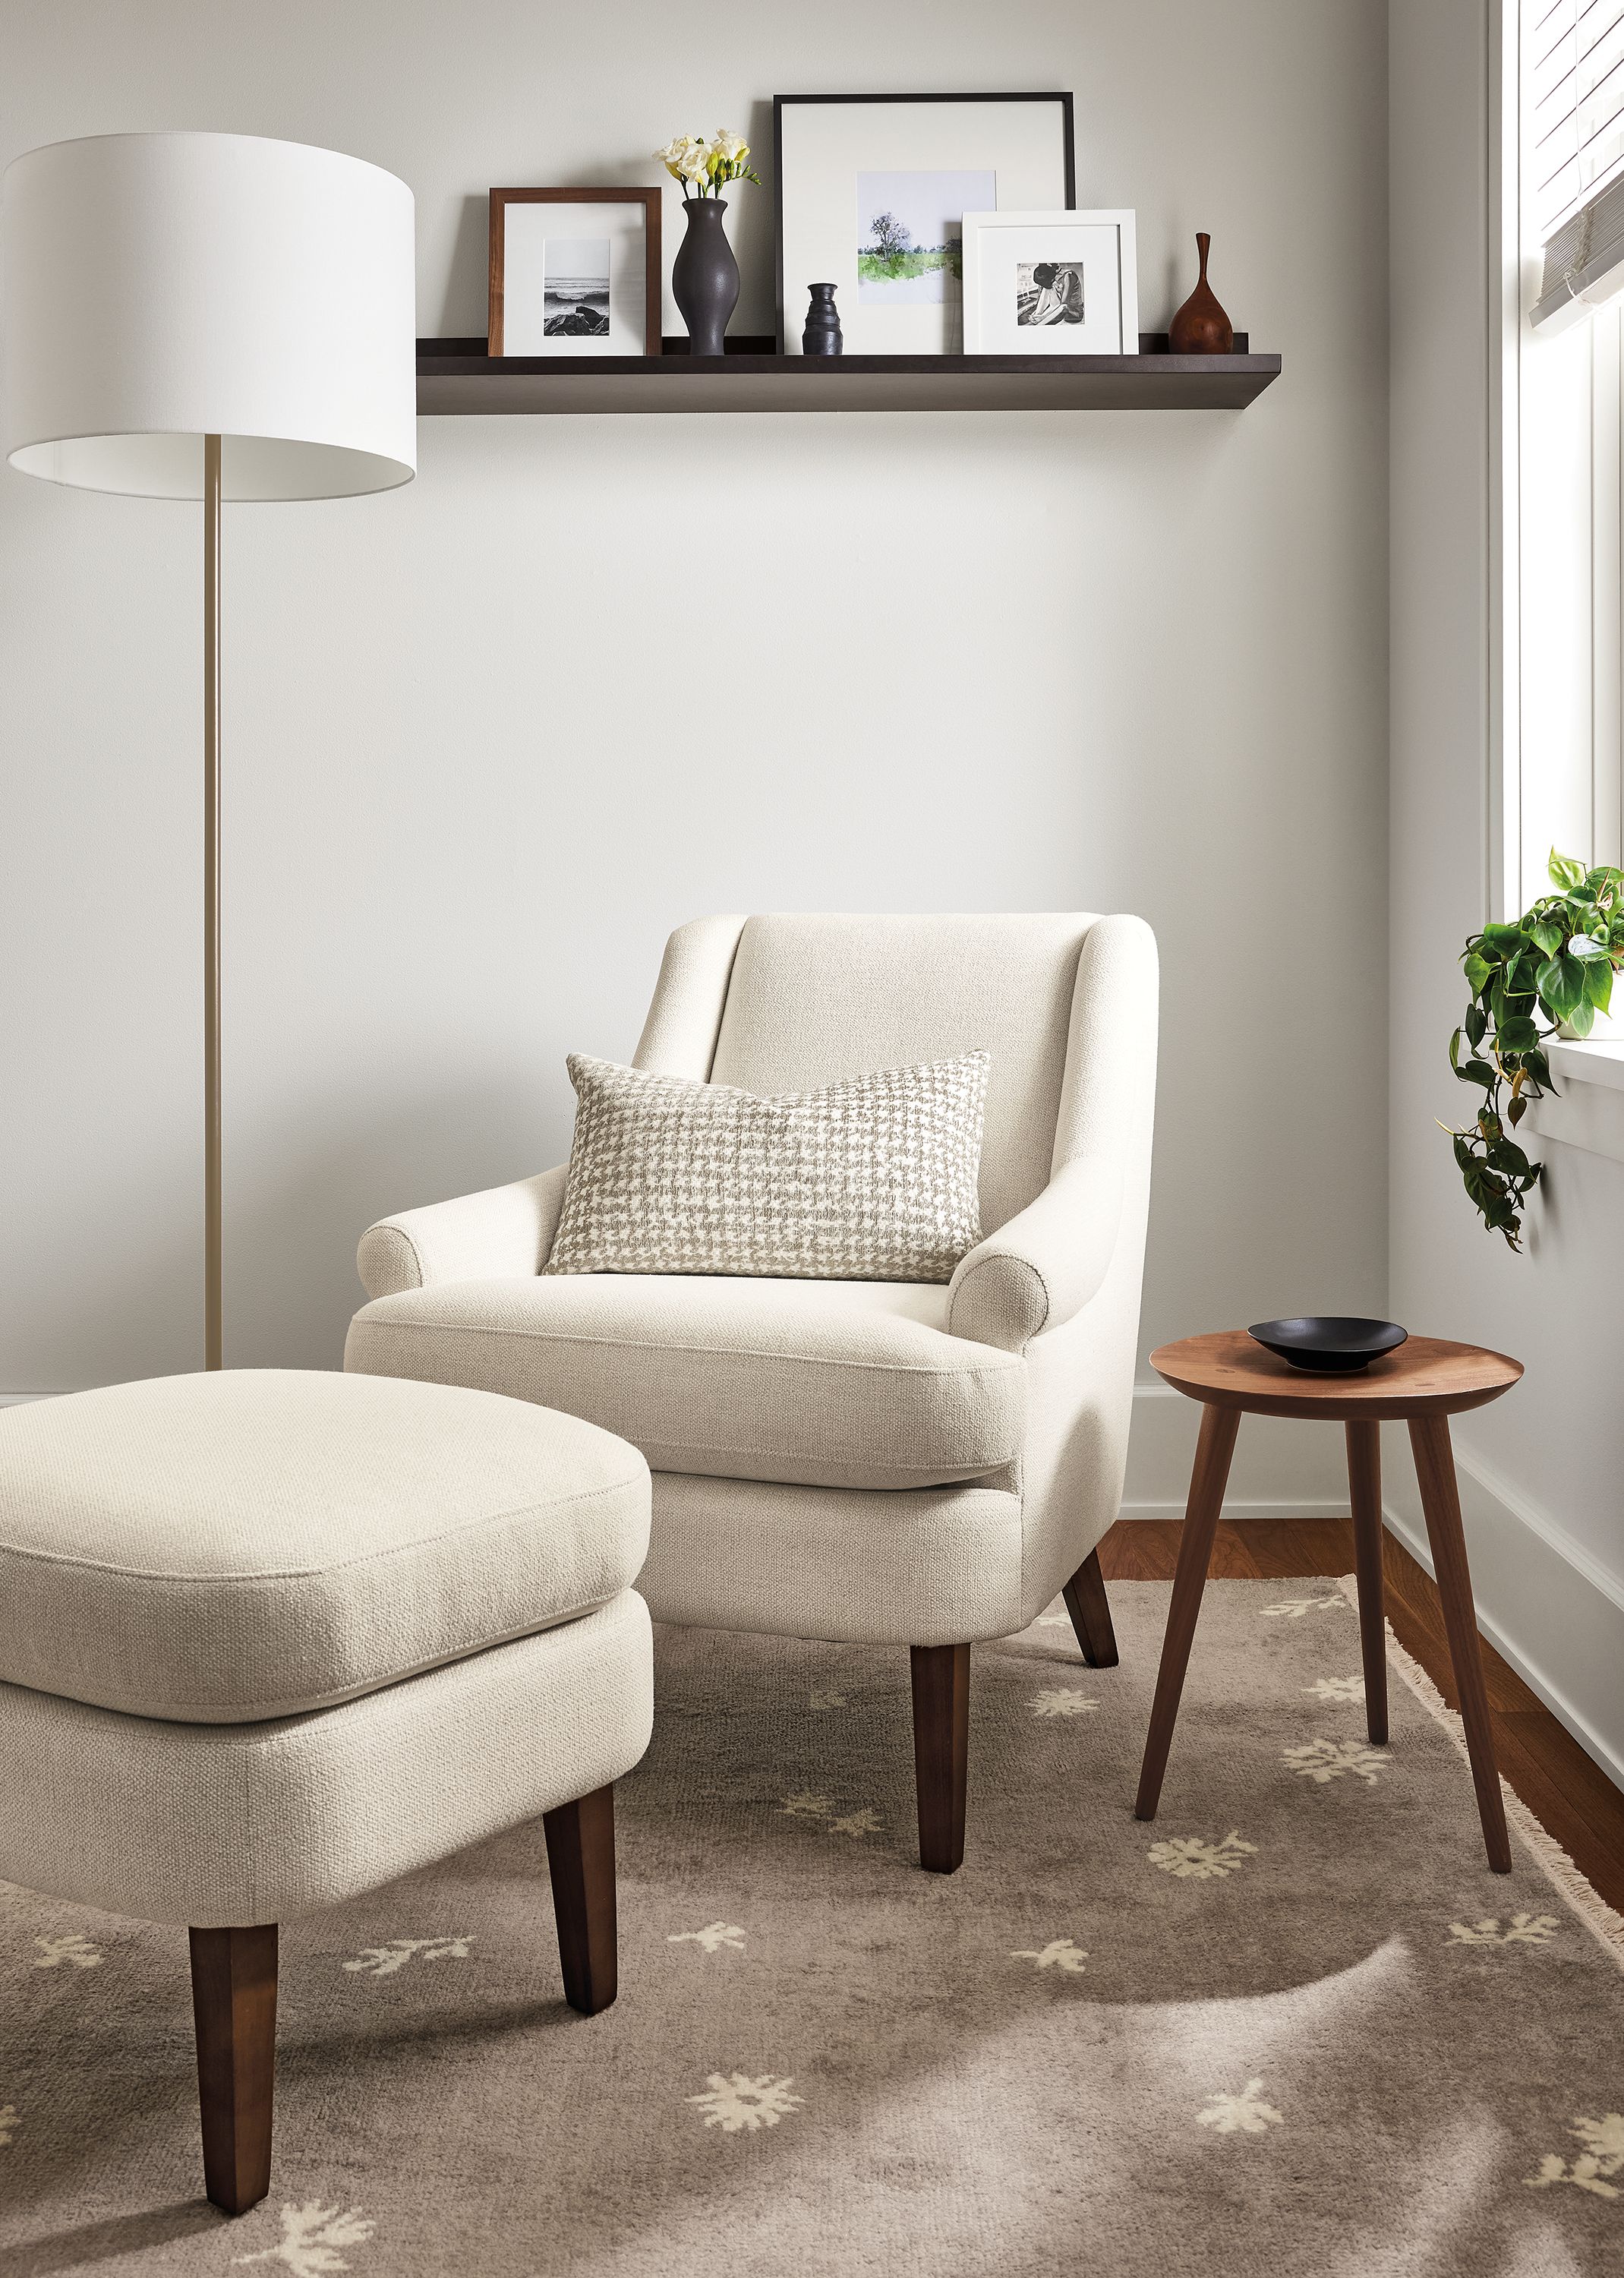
[(972, 94)]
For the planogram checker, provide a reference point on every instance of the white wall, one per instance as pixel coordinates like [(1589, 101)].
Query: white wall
[(489, 737), (1541, 1470)]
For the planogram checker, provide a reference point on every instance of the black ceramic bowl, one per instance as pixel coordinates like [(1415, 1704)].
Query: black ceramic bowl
[(1329, 1344)]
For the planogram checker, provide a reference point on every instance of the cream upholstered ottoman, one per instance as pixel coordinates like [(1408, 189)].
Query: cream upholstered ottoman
[(268, 1640)]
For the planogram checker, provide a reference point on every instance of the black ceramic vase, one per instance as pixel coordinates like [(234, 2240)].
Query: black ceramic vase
[(704, 277), (823, 335)]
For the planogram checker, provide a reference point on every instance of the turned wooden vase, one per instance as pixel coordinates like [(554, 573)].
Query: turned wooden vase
[(1201, 327)]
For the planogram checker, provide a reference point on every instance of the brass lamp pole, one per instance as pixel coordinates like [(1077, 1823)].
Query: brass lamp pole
[(214, 1247)]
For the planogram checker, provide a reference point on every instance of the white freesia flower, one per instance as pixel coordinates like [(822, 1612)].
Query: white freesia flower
[(704, 166), (685, 158)]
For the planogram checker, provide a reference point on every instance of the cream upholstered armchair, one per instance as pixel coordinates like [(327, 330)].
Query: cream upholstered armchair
[(904, 1464)]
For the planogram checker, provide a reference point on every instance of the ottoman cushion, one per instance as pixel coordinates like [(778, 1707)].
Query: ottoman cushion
[(253, 1544)]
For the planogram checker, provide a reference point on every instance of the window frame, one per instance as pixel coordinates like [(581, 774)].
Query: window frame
[(1556, 503)]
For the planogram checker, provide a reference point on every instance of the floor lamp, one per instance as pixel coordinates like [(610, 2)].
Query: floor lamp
[(211, 316)]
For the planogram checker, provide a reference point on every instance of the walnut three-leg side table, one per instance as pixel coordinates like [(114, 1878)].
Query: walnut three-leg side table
[(1422, 1384)]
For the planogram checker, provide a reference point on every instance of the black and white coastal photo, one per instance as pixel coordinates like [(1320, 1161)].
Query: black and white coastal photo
[(575, 288)]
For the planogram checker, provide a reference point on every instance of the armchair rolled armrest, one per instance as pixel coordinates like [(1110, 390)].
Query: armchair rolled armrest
[(502, 1232), (1045, 1265)]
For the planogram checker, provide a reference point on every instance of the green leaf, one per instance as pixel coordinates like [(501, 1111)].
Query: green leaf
[(1515, 1113), (1506, 1155), (1501, 940), (1543, 935), (1564, 873), (1561, 986), (1516, 1033), (1454, 1052), (1478, 969), (1582, 1018), (1599, 981), (1479, 1182), (1538, 1066), (1476, 1022), (1478, 1072)]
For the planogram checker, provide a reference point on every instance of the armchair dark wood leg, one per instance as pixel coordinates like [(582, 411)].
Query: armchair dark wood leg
[(1213, 1451), (1364, 1479), (941, 1751), (235, 2011), (1440, 1500), (1091, 1614), (581, 1863)]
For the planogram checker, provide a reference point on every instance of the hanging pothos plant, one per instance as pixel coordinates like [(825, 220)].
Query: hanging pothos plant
[(1558, 960)]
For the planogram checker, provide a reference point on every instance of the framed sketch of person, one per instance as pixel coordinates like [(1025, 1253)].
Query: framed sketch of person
[(574, 272), (870, 192), (1059, 283)]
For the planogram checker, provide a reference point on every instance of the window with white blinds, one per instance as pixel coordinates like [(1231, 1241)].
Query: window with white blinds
[(1574, 81), (1568, 391)]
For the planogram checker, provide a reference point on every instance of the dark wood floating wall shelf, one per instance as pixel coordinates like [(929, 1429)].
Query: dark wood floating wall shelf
[(455, 377)]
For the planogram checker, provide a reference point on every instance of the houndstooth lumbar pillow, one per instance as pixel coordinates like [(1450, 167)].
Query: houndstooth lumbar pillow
[(873, 1179)]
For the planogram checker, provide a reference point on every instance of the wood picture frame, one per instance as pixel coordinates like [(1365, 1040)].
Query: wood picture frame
[(1053, 183), (650, 299)]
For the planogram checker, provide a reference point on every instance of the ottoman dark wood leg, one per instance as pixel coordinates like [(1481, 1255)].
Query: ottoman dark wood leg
[(235, 2009), (1091, 1614), (1213, 1451), (1440, 1500), (1364, 1480), (581, 1863), (941, 1752)]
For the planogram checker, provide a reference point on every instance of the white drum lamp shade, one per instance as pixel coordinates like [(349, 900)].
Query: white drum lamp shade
[(164, 287)]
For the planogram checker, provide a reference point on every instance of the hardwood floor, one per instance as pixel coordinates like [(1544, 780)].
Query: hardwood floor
[(1569, 1794)]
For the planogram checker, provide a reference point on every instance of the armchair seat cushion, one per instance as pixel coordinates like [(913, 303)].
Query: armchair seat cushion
[(841, 1384)]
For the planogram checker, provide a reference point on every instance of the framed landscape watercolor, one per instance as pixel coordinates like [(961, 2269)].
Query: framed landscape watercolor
[(574, 272), (872, 191), (1060, 283)]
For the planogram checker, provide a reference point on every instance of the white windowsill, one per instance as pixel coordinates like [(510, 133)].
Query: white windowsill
[(1587, 1110)]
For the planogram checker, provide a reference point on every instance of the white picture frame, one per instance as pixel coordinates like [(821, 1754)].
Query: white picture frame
[(1088, 306)]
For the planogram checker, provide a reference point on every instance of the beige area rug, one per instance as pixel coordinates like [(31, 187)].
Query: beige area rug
[(1295, 2027)]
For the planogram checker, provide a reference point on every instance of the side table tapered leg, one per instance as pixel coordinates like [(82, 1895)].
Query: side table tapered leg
[(1364, 1479), (1213, 1451), (1440, 1500)]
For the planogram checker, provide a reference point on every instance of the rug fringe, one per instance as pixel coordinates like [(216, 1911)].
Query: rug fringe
[(1604, 1924)]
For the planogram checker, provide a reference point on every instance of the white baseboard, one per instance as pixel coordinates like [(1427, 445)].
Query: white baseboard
[(1544, 1602), (1281, 1470)]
